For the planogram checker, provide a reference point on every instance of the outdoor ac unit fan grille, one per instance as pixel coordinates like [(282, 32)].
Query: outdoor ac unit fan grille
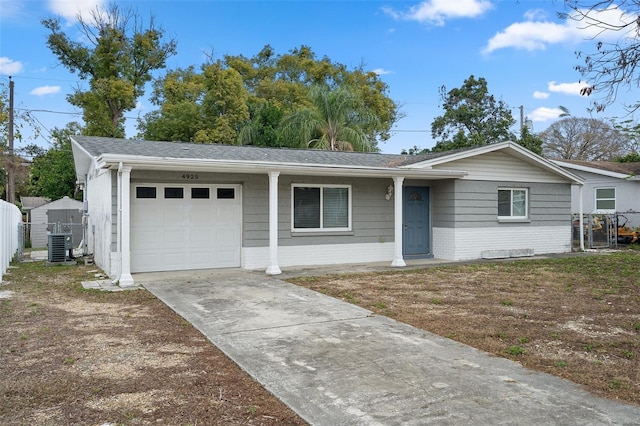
[(58, 246)]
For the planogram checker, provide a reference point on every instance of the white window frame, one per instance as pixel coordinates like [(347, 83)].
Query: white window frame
[(526, 203), (322, 228), (596, 199)]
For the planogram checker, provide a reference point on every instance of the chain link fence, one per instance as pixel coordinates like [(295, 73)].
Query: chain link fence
[(34, 235), (607, 230)]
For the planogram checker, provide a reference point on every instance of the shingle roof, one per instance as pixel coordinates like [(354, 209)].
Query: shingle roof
[(610, 166), (29, 203), (97, 146)]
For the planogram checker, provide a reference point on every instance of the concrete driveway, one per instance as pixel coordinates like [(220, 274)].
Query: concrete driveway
[(337, 364)]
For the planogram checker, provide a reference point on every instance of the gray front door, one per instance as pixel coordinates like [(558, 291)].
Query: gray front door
[(416, 227)]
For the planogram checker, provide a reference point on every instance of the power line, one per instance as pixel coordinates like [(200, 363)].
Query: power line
[(27, 111), (45, 79), (34, 118)]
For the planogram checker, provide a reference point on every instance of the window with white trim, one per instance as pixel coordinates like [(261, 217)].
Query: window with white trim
[(513, 203), (606, 199), (321, 207)]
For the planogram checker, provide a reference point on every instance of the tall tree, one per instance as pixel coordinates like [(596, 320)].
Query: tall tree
[(472, 117), (206, 107), (224, 103), (117, 56), (52, 172), (284, 81), (613, 63), (631, 129), (335, 121), (586, 139), (179, 116), (530, 141), (264, 126)]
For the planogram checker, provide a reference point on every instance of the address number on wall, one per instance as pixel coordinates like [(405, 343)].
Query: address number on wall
[(189, 176)]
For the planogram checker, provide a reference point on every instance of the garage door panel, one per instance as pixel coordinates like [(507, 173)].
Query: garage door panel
[(202, 213), (225, 213), (144, 261), (185, 233), (202, 237), (174, 259), (226, 236), (146, 239), (200, 259), (172, 237)]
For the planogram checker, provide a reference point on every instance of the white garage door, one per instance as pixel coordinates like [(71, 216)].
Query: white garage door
[(179, 227)]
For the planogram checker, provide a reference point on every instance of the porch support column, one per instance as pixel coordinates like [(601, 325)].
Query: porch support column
[(398, 261), (273, 268), (124, 217)]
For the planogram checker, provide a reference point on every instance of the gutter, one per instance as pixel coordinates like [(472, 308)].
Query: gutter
[(109, 161)]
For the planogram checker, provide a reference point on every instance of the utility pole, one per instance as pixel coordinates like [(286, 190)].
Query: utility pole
[(521, 118), (11, 190)]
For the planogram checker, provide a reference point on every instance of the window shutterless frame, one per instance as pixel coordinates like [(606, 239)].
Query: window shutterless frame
[(605, 199), (513, 203), (321, 208)]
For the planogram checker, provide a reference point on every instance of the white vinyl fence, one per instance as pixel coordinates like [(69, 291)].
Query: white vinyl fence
[(10, 220)]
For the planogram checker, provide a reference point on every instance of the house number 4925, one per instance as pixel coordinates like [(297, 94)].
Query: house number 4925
[(190, 176)]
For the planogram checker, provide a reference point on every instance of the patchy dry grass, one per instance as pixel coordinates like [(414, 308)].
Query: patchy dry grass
[(577, 318), (75, 356)]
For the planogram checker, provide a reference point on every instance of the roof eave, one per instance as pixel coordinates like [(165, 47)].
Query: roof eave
[(593, 170), (254, 167), (82, 160)]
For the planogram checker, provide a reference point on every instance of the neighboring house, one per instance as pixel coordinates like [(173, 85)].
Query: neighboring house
[(609, 187), (159, 206), (65, 213), (30, 203)]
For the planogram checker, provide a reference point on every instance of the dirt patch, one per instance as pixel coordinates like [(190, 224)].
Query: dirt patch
[(576, 318), (75, 356)]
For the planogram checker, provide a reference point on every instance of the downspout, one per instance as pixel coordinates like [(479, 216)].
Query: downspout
[(85, 218), (119, 227), (581, 213)]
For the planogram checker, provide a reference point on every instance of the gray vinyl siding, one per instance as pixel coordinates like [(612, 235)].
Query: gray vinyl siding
[(475, 204), (443, 203)]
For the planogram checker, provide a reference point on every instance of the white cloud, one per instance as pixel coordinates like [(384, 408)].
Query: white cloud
[(381, 71), (535, 14), (545, 114), (69, 9), (536, 33), (436, 12), (540, 95), (528, 36), (567, 88), (12, 8), (45, 90), (9, 66)]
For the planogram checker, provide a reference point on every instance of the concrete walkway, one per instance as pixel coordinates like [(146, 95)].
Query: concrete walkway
[(337, 364)]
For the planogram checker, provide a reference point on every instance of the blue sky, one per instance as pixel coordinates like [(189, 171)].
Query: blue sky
[(523, 50)]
